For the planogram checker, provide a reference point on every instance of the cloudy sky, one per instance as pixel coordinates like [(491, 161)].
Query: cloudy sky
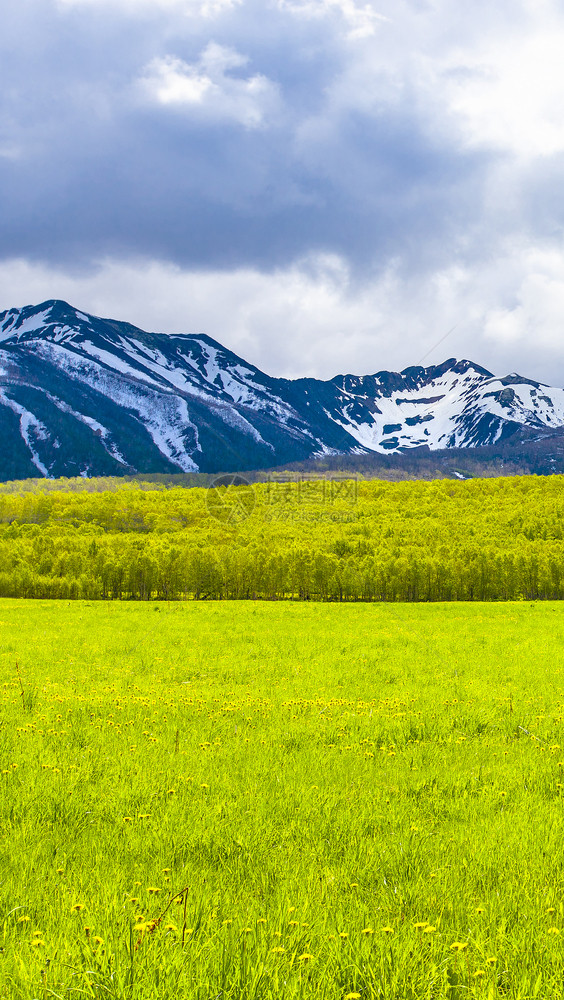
[(322, 185)]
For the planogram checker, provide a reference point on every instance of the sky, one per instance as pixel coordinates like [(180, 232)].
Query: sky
[(324, 186)]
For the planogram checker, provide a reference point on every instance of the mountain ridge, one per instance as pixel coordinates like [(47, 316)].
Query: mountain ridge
[(84, 395)]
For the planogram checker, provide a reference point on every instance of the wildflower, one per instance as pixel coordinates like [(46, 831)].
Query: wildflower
[(23, 920), (37, 934), (37, 943), (291, 909), (171, 927), (134, 900), (306, 957), (459, 945), (98, 940), (553, 930), (479, 909), (343, 935), (293, 923), (420, 925), (551, 909), (228, 921), (128, 819), (153, 890), (367, 930), (352, 996), (491, 961), (278, 950), (77, 908), (429, 929), (261, 920), (388, 930), (478, 973)]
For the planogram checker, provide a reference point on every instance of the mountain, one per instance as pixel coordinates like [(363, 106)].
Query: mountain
[(86, 396)]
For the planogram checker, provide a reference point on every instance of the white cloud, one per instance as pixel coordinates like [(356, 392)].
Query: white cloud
[(360, 18), (312, 319), (509, 95), (209, 86)]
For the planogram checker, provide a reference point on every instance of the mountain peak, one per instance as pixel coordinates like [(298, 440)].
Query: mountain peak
[(81, 395)]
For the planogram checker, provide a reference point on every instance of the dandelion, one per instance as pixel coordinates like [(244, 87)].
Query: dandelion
[(479, 910), (77, 908), (293, 923), (420, 925), (387, 930), (551, 910), (367, 930), (153, 890), (227, 921), (491, 961), (553, 930), (478, 973), (306, 957), (128, 819), (278, 950), (23, 920), (458, 945), (352, 996), (37, 943), (261, 920), (343, 935), (429, 929), (134, 900), (98, 940), (171, 927)]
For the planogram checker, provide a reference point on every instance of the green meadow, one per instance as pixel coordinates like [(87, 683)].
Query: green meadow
[(244, 800)]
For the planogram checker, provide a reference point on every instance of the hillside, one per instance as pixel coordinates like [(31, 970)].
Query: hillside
[(84, 396)]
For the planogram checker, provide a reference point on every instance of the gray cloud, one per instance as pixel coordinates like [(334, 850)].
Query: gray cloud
[(254, 141)]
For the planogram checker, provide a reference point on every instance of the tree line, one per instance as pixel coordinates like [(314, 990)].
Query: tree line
[(328, 540)]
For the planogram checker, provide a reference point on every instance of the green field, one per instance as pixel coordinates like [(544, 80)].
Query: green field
[(344, 799)]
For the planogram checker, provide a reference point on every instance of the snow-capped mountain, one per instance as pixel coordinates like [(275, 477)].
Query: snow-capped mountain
[(81, 395)]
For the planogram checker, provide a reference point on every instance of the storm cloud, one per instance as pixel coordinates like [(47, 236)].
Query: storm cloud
[(321, 185)]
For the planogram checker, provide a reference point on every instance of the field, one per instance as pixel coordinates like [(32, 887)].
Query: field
[(267, 800)]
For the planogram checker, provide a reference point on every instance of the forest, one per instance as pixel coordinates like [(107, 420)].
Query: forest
[(326, 539)]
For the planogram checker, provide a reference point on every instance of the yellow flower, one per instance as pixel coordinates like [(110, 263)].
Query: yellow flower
[(343, 935), (23, 920), (553, 930), (153, 890), (352, 996), (480, 909), (459, 945), (420, 925), (77, 907), (388, 930), (478, 973), (278, 950), (367, 930), (98, 940), (491, 961), (38, 943), (306, 957), (429, 929), (261, 920)]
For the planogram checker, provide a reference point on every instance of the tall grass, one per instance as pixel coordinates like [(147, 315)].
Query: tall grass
[(357, 800)]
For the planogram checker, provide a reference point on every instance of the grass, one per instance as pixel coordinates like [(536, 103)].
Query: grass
[(344, 800)]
